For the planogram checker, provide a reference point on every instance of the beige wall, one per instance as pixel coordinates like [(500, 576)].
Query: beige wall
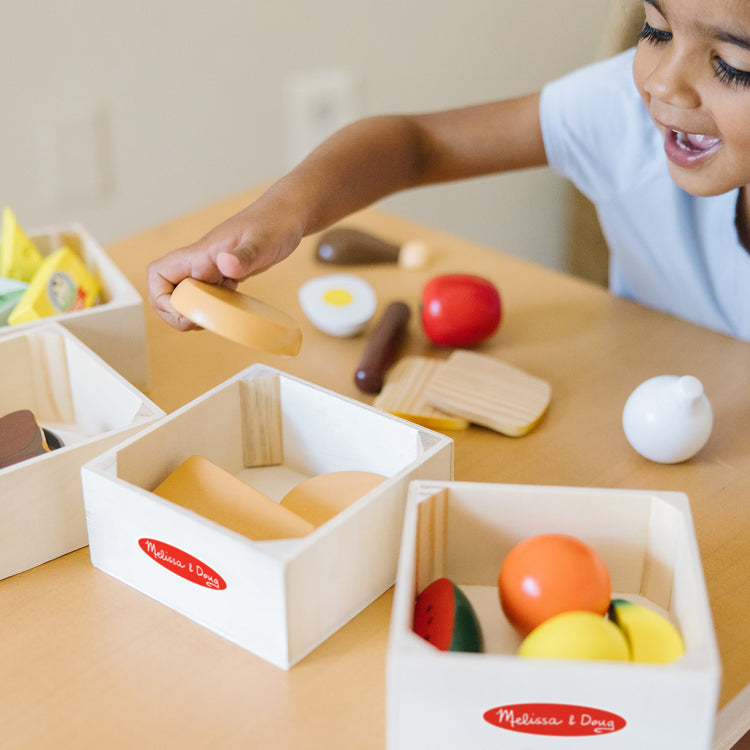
[(183, 101)]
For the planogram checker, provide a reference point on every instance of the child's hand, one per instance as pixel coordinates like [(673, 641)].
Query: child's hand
[(229, 253)]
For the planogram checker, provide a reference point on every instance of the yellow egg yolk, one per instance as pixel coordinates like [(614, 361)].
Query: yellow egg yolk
[(338, 297)]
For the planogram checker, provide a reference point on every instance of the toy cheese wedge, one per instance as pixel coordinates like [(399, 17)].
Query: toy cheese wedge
[(205, 488)]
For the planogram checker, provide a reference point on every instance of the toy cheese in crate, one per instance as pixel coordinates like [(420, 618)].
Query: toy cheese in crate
[(60, 405), (62, 274), (223, 510), (495, 698)]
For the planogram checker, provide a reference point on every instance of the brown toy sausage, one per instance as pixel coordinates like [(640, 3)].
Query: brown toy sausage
[(382, 347)]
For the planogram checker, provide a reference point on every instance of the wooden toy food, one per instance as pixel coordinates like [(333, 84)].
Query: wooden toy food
[(667, 418), (321, 497), (205, 488), (403, 395), (339, 304), (650, 636), (21, 438), (382, 348), (444, 617), (237, 316), (61, 284), (460, 309), (488, 392), (19, 257), (347, 246), (11, 291), (576, 635), (547, 574)]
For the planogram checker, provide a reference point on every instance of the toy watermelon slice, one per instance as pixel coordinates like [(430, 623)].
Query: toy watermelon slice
[(444, 617)]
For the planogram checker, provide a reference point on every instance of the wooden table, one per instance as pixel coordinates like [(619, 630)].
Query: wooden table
[(89, 662)]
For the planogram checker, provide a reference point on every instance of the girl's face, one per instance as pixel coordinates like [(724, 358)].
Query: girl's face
[(692, 68)]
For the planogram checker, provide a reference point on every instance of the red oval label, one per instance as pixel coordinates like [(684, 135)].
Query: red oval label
[(182, 564), (555, 719)]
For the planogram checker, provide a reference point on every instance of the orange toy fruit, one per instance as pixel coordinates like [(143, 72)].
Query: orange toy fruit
[(548, 574)]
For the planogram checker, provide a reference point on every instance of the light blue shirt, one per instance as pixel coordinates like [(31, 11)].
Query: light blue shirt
[(669, 250)]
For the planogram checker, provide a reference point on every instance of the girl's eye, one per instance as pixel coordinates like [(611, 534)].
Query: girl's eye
[(731, 76), (654, 36)]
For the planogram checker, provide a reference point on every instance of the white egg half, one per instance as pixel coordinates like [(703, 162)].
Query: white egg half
[(339, 304)]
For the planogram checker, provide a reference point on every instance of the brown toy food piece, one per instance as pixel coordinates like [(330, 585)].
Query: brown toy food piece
[(345, 246), (21, 437), (382, 347)]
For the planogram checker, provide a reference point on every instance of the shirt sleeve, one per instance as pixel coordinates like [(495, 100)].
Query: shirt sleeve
[(593, 125)]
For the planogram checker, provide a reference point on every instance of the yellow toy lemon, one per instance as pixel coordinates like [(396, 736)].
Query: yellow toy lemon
[(650, 636), (576, 635)]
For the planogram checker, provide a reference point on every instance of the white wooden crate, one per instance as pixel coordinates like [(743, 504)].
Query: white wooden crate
[(114, 328), (496, 699), (90, 407), (280, 598)]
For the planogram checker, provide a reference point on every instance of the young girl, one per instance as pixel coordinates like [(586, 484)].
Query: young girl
[(658, 138)]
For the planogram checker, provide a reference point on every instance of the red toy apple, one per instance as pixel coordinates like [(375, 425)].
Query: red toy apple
[(460, 309)]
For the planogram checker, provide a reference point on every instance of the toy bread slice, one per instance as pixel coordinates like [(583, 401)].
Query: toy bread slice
[(489, 392), (403, 395), (238, 317), (320, 498), (205, 488)]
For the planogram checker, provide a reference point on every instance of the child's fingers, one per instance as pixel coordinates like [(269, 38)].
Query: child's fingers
[(163, 275), (237, 263)]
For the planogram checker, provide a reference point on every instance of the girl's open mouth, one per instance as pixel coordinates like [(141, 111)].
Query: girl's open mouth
[(689, 149)]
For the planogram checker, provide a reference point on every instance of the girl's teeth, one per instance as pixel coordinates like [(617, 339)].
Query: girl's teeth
[(695, 141)]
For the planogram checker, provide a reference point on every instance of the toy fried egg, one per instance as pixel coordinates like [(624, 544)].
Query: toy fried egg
[(338, 304)]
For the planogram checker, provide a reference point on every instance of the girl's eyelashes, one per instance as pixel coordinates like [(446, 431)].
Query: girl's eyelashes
[(731, 76), (727, 74), (653, 35)]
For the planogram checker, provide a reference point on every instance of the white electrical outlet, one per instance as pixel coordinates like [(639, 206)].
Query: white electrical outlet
[(316, 104)]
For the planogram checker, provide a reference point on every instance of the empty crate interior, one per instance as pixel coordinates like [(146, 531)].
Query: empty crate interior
[(67, 388), (465, 532)]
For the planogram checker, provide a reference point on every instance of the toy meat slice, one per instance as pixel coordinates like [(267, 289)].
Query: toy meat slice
[(21, 437), (488, 392)]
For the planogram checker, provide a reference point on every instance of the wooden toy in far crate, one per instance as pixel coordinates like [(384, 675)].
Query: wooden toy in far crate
[(21, 438)]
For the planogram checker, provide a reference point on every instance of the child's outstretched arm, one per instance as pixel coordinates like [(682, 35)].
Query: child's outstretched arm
[(355, 167)]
